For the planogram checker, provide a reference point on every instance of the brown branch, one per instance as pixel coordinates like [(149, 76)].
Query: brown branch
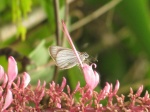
[(94, 15)]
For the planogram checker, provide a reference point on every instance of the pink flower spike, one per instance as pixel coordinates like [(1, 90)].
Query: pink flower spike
[(63, 84), (1, 72), (12, 70), (116, 87), (77, 87), (71, 43), (38, 84), (139, 91), (146, 96), (26, 80), (8, 99), (44, 84), (107, 88), (104, 92), (91, 77)]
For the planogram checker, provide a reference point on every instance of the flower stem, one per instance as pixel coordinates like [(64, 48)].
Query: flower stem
[(71, 43)]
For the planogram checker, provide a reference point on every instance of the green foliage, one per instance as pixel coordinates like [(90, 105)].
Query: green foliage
[(120, 38), (20, 9), (39, 57), (136, 14), (49, 9), (75, 75)]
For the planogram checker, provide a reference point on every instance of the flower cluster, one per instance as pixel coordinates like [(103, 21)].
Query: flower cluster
[(17, 95)]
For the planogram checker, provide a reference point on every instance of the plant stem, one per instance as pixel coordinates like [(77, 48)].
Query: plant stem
[(65, 20), (57, 19)]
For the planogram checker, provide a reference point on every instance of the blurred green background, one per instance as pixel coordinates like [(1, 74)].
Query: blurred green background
[(116, 32)]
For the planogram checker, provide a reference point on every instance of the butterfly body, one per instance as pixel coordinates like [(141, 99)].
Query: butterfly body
[(65, 58)]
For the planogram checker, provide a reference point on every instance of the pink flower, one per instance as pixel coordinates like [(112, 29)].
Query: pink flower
[(25, 80), (5, 80), (63, 84), (139, 91), (1, 72), (90, 75), (12, 70), (116, 87), (104, 93), (8, 99)]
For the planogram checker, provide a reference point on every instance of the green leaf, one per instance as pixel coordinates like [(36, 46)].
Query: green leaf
[(75, 74), (39, 70), (26, 7), (49, 9), (44, 74), (136, 14), (21, 31), (40, 55)]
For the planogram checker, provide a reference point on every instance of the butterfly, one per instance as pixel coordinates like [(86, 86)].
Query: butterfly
[(65, 58)]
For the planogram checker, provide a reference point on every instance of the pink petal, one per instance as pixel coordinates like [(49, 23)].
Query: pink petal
[(146, 96), (38, 84), (8, 99), (107, 88), (116, 87), (88, 74), (26, 80), (5, 80), (63, 84), (58, 105), (91, 77), (139, 91), (44, 84), (1, 91), (104, 92), (96, 78), (77, 87), (12, 70), (1, 72)]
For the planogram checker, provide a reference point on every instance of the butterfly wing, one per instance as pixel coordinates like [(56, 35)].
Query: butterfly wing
[(66, 59), (53, 50)]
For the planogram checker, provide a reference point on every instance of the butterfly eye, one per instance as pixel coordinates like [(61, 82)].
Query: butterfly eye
[(86, 55)]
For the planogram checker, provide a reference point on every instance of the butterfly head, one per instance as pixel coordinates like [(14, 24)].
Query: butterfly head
[(85, 55)]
